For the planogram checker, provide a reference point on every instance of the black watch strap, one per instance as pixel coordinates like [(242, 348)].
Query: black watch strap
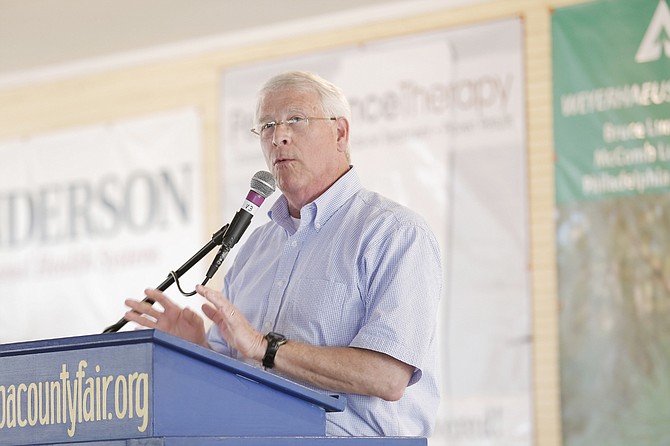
[(275, 340)]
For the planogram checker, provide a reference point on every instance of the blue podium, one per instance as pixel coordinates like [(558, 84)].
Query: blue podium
[(147, 388)]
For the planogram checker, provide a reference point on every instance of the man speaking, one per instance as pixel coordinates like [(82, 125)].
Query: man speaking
[(339, 290)]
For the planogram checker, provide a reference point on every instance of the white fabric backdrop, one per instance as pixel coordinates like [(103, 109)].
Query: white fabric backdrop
[(92, 215), (438, 125)]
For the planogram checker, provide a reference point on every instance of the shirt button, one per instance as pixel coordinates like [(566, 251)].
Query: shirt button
[(280, 283), (317, 225), (294, 243)]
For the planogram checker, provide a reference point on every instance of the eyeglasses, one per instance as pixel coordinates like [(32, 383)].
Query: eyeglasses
[(296, 123)]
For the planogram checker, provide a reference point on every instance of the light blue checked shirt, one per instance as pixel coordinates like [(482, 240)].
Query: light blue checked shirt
[(359, 271)]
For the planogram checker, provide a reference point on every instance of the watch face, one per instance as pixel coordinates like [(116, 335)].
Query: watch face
[(276, 337)]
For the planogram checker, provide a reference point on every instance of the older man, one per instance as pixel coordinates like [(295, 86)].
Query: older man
[(339, 291)]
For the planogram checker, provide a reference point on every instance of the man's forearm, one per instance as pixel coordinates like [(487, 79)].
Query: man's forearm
[(345, 369)]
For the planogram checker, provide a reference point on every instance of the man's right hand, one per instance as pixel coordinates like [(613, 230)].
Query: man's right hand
[(177, 321)]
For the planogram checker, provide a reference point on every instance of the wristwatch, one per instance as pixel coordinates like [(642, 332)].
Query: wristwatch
[(275, 340)]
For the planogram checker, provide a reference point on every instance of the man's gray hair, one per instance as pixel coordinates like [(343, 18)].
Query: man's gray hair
[(333, 101)]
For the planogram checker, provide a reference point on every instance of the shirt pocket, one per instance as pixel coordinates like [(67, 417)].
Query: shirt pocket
[(321, 312)]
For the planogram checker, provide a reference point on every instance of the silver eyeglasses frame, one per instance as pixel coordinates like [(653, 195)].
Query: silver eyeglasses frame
[(272, 125)]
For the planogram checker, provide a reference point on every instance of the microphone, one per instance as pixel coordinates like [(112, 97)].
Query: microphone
[(262, 186)]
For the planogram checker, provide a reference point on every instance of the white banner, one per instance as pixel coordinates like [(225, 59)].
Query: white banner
[(92, 216), (438, 125)]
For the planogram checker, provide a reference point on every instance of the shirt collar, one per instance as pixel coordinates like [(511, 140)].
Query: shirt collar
[(319, 211)]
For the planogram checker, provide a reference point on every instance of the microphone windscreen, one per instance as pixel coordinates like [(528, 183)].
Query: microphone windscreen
[(263, 183)]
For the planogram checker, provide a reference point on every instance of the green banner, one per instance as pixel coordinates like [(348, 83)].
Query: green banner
[(612, 99), (611, 68)]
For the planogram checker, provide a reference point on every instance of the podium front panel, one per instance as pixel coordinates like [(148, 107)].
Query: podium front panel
[(83, 394)]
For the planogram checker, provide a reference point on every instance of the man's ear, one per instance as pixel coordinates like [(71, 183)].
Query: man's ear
[(342, 133)]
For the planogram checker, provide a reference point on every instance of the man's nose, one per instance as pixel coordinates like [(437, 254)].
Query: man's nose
[(281, 134)]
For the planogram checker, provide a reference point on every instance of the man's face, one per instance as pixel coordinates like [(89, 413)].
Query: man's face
[(305, 160)]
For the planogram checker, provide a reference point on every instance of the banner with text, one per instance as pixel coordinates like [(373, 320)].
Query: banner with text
[(438, 125), (611, 72), (92, 216)]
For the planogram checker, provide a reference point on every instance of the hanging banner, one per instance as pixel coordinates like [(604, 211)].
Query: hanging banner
[(612, 96), (611, 72), (92, 216), (438, 125)]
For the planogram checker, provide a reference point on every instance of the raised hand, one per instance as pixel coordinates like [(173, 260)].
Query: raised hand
[(177, 321), (234, 327)]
